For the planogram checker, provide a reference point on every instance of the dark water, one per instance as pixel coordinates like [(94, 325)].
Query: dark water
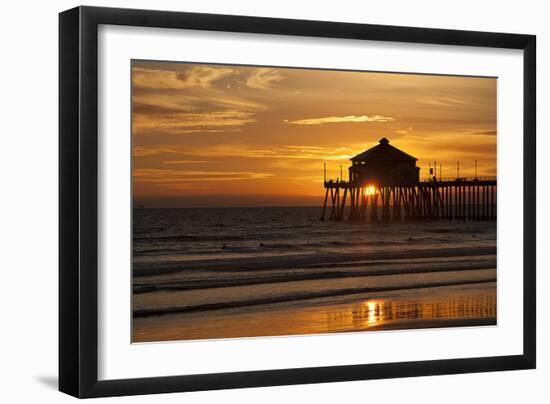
[(189, 261)]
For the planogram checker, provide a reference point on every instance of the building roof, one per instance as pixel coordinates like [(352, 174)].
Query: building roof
[(383, 152)]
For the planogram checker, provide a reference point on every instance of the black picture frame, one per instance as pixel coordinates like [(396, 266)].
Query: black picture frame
[(78, 201)]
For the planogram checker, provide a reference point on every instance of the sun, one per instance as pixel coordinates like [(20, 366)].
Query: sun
[(370, 190)]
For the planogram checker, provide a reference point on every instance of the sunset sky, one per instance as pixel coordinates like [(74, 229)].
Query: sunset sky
[(225, 135)]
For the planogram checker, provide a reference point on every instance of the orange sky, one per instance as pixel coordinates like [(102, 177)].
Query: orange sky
[(224, 135)]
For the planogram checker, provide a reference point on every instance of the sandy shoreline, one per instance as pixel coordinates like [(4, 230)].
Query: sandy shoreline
[(437, 307)]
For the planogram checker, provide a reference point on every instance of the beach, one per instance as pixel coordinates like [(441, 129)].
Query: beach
[(248, 272)]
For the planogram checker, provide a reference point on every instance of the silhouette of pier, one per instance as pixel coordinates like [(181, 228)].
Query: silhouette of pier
[(384, 185)]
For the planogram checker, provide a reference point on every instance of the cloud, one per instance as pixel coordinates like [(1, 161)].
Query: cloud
[(443, 101), (202, 76), (279, 153), (314, 152), (192, 122), (185, 161), (198, 106), (308, 179), (485, 133), (161, 102), (140, 151), (196, 76), (341, 119), (264, 79), (161, 176), (143, 108), (405, 131)]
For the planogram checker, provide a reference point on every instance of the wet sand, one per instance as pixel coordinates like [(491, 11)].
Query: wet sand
[(446, 306)]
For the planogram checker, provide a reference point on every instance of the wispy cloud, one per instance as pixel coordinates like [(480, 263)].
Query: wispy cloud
[(341, 119), (290, 152), (443, 101), (308, 178), (484, 132), (405, 131), (197, 76), (160, 176), (264, 78), (192, 122), (177, 162), (178, 102), (314, 152)]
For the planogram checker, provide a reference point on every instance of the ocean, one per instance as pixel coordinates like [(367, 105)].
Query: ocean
[(245, 272)]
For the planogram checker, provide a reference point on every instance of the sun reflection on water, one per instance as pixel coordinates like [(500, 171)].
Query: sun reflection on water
[(374, 313)]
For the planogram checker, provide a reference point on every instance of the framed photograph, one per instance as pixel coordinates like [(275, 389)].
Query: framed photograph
[(251, 201)]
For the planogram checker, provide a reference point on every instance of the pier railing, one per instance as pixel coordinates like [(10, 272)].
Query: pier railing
[(452, 179)]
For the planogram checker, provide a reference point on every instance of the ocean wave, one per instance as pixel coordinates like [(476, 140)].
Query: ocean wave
[(255, 245), (258, 263), (294, 277), (185, 237)]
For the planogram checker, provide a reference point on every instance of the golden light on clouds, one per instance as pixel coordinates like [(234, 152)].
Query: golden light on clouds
[(195, 76), (263, 133), (341, 119), (264, 78)]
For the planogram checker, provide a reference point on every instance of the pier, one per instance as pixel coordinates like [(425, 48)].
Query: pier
[(384, 185)]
